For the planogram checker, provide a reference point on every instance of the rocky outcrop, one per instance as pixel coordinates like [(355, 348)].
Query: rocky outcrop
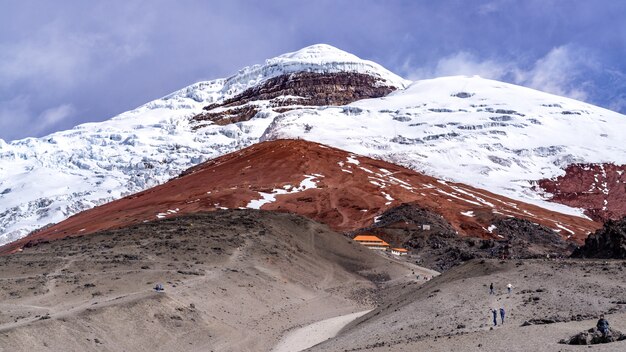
[(608, 242), (594, 337), (297, 89), (435, 243), (229, 116), (522, 238), (600, 189)]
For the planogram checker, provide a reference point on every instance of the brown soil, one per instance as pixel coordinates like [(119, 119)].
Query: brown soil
[(600, 189), (348, 196)]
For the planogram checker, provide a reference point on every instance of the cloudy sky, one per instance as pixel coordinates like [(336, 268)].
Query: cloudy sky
[(63, 63)]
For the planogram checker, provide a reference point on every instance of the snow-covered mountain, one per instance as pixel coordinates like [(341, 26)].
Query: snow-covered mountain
[(485, 133), (45, 180), (489, 134)]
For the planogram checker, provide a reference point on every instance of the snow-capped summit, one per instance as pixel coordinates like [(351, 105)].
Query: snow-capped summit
[(316, 53), (319, 58), (327, 58)]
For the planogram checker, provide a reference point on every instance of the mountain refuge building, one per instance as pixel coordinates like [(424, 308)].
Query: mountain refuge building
[(372, 242)]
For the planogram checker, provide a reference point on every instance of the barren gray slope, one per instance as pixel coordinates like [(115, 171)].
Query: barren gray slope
[(234, 281), (454, 308)]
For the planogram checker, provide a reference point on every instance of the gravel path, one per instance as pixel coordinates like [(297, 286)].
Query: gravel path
[(312, 334)]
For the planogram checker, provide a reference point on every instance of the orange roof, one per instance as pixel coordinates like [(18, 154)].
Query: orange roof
[(377, 244), (367, 238), (399, 249)]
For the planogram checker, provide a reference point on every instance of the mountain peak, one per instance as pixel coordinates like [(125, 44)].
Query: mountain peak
[(318, 58), (318, 52)]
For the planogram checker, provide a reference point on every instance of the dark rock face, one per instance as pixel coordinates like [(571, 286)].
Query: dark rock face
[(600, 189), (229, 116), (525, 239), (608, 242), (438, 246), (593, 337), (543, 321), (304, 88)]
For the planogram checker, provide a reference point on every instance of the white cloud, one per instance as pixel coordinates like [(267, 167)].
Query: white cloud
[(461, 63), (464, 63), (556, 73), (17, 117), (491, 7), (64, 58), (53, 116), (559, 72), (14, 115), (42, 69)]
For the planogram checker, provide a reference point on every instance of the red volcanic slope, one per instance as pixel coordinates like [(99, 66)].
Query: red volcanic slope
[(600, 189), (329, 185)]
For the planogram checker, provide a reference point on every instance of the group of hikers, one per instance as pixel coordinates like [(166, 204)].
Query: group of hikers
[(495, 311), (602, 325), (492, 290)]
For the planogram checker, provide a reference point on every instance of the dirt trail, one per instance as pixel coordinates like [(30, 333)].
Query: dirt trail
[(312, 334)]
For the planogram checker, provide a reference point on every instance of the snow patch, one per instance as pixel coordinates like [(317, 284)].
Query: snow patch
[(352, 160), (565, 228), (266, 198), (387, 196)]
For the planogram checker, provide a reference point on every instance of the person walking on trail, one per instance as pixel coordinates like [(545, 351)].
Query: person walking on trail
[(495, 317), (502, 315), (491, 291), (603, 326), (509, 287)]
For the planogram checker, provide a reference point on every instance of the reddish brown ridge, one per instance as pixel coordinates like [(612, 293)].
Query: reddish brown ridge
[(350, 191), (600, 189)]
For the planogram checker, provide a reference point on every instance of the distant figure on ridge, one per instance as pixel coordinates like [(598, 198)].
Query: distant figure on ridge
[(603, 326), (491, 291), (502, 315), (495, 316), (158, 287), (509, 287)]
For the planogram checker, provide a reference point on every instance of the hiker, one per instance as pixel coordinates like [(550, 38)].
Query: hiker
[(158, 287), (603, 326), (491, 291), (509, 287), (502, 315), (495, 317)]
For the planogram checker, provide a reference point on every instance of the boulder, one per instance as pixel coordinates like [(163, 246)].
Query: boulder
[(594, 337), (608, 242)]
